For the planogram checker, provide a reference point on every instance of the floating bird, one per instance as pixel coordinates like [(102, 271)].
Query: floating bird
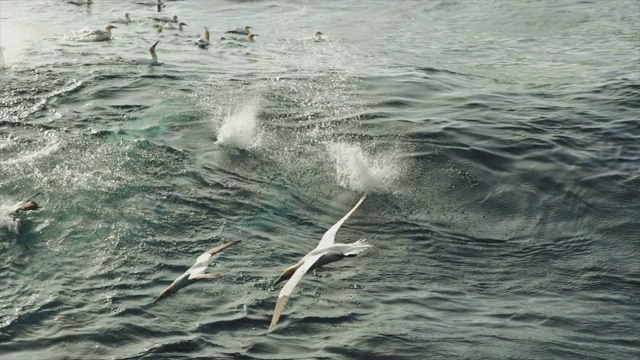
[(173, 19), (326, 252), (248, 38), (173, 26), (154, 57), (80, 2), (196, 272), (157, 3), (318, 36), (95, 34), (24, 206), (203, 41), (240, 31), (125, 20)]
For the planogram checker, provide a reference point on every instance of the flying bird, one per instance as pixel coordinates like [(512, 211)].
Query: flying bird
[(196, 272), (326, 252)]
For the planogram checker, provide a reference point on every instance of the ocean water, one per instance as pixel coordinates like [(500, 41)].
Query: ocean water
[(497, 141)]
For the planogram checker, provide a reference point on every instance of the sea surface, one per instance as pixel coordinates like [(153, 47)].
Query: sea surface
[(498, 143)]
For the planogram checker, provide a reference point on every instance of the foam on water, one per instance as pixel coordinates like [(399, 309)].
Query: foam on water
[(241, 130), (360, 171), (7, 222)]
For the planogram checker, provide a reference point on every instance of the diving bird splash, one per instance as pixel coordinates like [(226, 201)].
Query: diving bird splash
[(326, 252)]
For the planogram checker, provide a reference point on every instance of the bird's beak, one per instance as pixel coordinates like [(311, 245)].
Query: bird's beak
[(162, 296), (280, 279)]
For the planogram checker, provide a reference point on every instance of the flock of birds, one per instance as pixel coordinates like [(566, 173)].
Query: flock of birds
[(327, 251), (166, 23)]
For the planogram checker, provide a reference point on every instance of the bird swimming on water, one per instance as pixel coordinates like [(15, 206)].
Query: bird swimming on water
[(95, 34), (173, 19), (240, 31), (196, 272), (249, 38), (125, 20), (80, 2), (174, 26), (203, 41), (326, 252), (157, 3), (154, 58)]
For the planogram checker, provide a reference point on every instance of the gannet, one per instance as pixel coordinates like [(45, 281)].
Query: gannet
[(173, 19), (203, 41), (173, 26), (154, 57), (125, 20), (157, 3), (318, 36), (80, 2), (95, 34), (248, 38), (326, 252), (24, 206), (196, 272), (240, 31)]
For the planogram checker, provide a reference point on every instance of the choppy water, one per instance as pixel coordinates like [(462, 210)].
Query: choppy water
[(498, 142)]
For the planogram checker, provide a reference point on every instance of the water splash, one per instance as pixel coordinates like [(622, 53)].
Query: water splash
[(359, 171), (240, 130), (6, 221)]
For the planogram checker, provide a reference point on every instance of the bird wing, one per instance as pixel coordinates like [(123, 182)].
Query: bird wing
[(205, 276), (203, 259), (329, 237), (288, 289)]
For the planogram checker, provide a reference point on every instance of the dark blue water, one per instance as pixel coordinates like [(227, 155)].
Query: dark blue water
[(498, 143)]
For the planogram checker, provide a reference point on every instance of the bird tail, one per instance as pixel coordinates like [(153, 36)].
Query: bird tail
[(357, 247)]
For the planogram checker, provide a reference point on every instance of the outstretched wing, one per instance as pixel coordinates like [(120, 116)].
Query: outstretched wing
[(288, 289), (203, 259), (329, 237), (205, 276)]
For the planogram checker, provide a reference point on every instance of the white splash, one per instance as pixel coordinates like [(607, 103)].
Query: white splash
[(240, 130), (6, 220), (31, 156), (359, 171)]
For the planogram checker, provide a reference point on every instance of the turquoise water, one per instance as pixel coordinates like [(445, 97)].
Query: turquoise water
[(497, 142)]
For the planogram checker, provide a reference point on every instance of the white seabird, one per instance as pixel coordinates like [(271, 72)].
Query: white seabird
[(318, 36), (95, 34), (166, 19), (326, 252), (248, 38), (196, 272), (24, 206), (173, 26), (203, 41), (154, 58), (125, 20), (157, 3), (241, 31)]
